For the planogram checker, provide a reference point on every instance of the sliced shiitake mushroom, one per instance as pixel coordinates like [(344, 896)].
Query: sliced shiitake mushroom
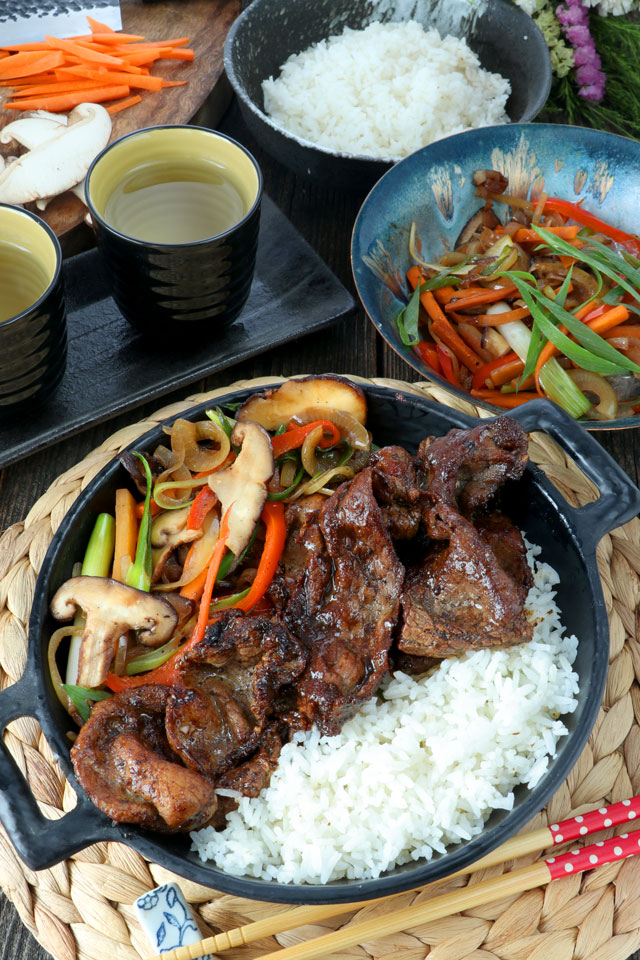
[(273, 408)]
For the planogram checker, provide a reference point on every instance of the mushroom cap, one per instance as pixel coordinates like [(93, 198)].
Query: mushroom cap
[(244, 483), (273, 408), (110, 609)]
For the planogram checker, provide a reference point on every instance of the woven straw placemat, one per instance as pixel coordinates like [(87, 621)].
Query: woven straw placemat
[(82, 908)]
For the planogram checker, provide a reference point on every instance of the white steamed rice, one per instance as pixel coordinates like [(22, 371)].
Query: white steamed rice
[(384, 91), (418, 769)]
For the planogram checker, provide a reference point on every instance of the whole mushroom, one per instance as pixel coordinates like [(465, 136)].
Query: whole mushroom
[(110, 609)]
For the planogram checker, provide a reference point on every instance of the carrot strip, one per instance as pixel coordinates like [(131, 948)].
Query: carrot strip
[(497, 319), (62, 86), (24, 47), (212, 572), (275, 536), (507, 400), (444, 331), (112, 76), (11, 69), (155, 509), (609, 320), (524, 235), (112, 37), (126, 534), (547, 352), (493, 368), (141, 58), (150, 44), (97, 27), (124, 104), (628, 330), (444, 294), (173, 83), (83, 53), (179, 53), (67, 101), (479, 296)]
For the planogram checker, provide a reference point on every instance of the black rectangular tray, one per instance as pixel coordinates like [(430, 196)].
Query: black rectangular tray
[(111, 368)]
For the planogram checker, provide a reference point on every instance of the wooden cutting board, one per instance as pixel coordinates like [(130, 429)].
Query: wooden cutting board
[(207, 23)]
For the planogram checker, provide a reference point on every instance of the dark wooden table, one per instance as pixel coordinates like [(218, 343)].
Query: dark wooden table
[(325, 218)]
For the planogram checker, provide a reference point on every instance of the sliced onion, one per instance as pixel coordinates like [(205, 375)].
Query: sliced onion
[(56, 639), (183, 489), (185, 443), (199, 556), (288, 473), (350, 428), (308, 451), (318, 483), (438, 267), (592, 384)]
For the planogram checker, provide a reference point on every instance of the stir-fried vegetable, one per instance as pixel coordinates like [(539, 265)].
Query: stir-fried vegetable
[(209, 532), (554, 283)]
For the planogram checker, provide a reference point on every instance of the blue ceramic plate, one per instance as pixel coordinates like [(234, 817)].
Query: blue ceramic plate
[(434, 188)]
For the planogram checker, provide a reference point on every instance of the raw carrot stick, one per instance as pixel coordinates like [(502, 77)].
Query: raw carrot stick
[(126, 535), (68, 46), (141, 58), (63, 86), (67, 101), (112, 76), (97, 27), (39, 45), (173, 83), (179, 53), (524, 235), (464, 300), (14, 67), (507, 400), (123, 104), (178, 42), (112, 37)]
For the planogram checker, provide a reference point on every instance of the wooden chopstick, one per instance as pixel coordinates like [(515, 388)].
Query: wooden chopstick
[(626, 811)]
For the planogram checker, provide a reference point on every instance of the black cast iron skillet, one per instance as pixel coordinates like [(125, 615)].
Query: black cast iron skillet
[(568, 537)]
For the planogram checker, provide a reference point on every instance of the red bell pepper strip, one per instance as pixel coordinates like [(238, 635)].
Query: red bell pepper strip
[(575, 212), (166, 673), (429, 353), (295, 437), (446, 365), (200, 507), (273, 517)]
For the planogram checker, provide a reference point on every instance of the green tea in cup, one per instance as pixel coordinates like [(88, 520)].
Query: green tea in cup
[(176, 213), (23, 279), (33, 323), (175, 202)]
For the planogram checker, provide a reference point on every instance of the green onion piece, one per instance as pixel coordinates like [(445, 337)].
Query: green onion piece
[(97, 562), (407, 320), (346, 456), (229, 557), (139, 573), (225, 602), (283, 494), (595, 353), (280, 430), (98, 557), (152, 659), (80, 695), (219, 417), (555, 381)]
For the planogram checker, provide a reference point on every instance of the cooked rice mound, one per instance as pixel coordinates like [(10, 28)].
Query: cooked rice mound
[(384, 91), (417, 769)]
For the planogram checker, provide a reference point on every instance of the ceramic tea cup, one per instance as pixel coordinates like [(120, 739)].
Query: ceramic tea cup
[(176, 213), (33, 325)]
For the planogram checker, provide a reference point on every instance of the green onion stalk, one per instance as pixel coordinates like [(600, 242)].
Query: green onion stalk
[(97, 562)]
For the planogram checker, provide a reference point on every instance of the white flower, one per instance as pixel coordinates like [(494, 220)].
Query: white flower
[(529, 6)]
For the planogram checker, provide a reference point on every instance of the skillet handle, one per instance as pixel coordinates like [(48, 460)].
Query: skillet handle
[(619, 498), (38, 841)]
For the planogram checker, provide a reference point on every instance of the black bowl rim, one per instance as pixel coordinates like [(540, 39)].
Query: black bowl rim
[(250, 104), (152, 846), (623, 423)]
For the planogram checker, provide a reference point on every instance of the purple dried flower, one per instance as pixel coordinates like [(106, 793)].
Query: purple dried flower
[(574, 19)]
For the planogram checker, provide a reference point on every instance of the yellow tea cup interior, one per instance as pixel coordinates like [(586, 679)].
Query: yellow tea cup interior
[(28, 262), (173, 185)]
